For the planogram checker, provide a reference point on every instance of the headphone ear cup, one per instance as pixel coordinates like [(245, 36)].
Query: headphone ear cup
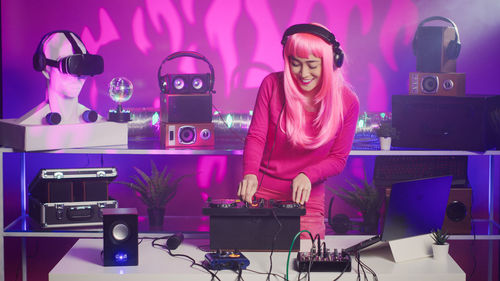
[(163, 84), (338, 57), (39, 62), (453, 50)]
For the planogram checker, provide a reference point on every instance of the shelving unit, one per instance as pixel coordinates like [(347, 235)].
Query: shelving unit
[(24, 228)]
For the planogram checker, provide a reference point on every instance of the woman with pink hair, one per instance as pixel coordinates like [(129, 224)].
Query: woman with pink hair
[(302, 127)]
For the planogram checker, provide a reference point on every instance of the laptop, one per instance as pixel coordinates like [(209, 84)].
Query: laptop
[(415, 207)]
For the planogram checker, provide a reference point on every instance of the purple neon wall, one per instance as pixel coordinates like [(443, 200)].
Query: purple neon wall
[(242, 40)]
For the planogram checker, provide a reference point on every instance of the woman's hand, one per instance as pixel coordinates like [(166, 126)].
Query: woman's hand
[(301, 189), (247, 187)]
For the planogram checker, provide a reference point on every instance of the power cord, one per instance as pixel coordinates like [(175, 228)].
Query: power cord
[(273, 243), (169, 251)]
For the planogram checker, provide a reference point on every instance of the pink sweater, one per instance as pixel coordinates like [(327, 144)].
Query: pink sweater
[(287, 161)]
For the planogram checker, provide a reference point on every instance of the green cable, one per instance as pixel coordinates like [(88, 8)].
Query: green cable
[(290, 251)]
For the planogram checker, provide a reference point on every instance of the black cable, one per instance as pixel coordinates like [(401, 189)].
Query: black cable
[(342, 273), (273, 274), (193, 262), (273, 242), (274, 143)]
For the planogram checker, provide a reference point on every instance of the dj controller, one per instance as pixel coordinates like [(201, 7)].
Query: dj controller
[(262, 225)]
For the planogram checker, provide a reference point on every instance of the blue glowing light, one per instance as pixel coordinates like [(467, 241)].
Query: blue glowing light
[(121, 257), (229, 120), (155, 118)]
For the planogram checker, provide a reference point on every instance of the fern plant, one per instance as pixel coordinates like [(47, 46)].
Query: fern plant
[(157, 189), (366, 198), (440, 236)]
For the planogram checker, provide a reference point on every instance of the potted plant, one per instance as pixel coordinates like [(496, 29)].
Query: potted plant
[(440, 247), (155, 191), (366, 198), (386, 132)]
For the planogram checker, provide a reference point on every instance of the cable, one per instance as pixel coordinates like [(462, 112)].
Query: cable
[(193, 262), (291, 246), (272, 244), (342, 273), (273, 274)]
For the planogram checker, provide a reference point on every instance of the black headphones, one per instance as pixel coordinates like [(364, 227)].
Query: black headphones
[(327, 36), (453, 49), (162, 80)]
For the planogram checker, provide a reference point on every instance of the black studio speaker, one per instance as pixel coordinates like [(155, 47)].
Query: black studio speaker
[(120, 233), (182, 108)]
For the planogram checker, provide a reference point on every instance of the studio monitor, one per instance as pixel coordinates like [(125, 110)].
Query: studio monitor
[(182, 108), (458, 211), (120, 233), (437, 84), (184, 134)]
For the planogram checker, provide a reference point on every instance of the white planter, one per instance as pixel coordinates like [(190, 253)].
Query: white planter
[(440, 252), (385, 143)]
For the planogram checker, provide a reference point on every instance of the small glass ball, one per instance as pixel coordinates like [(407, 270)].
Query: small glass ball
[(120, 89)]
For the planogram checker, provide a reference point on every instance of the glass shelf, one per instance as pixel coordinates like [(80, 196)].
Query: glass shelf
[(198, 227)]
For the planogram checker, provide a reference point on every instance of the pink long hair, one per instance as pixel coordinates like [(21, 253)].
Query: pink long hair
[(329, 96)]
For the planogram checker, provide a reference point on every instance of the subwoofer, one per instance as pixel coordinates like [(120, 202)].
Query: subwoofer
[(458, 211), (120, 233)]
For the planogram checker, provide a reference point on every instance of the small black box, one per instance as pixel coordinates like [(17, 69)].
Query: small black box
[(447, 122), (184, 108)]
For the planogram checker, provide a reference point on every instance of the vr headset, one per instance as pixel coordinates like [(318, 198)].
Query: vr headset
[(78, 64)]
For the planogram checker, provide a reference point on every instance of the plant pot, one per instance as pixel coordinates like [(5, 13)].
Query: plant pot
[(385, 143), (155, 217), (440, 252)]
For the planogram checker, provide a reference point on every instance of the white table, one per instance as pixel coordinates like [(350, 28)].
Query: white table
[(83, 262)]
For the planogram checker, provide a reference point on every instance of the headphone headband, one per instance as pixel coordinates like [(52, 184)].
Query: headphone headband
[(453, 49), (323, 33), (433, 18), (39, 59), (192, 54)]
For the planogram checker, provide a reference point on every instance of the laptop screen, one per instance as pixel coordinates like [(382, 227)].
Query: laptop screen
[(416, 207)]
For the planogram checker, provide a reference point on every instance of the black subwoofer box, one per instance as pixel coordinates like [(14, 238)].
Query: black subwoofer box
[(446, 122)]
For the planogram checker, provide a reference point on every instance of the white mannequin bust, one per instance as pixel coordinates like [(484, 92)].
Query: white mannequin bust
[(61, 95)]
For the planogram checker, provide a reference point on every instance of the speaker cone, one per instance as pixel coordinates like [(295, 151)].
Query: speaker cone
[(456, 211), (430, 84)]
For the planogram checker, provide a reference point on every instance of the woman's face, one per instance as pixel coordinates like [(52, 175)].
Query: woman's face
[(306, 71)]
